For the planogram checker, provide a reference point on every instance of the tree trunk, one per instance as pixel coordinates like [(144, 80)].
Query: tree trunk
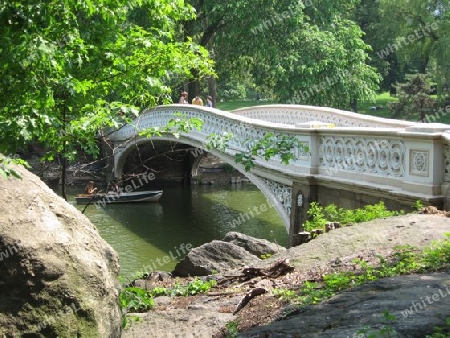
[(212, 89), (63, 176), (354, 105), (194, 86), (63, 158)]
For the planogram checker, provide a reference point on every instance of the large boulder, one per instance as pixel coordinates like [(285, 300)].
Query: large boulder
[(403, 306), (255, 246), (58, 277), (216, 256)]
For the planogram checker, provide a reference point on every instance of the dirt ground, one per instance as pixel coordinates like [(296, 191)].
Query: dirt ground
[(207, 315)]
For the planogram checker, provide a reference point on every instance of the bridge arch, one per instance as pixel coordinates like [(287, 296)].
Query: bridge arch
[(282, 206), (196, 163), (407, 161)]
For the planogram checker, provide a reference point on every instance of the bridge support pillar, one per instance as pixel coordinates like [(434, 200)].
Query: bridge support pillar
[(303, 194)]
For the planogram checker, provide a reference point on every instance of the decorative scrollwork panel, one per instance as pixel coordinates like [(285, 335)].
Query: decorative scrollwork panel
[(419, 162), (447, 163), (356, 154), (283, 193)]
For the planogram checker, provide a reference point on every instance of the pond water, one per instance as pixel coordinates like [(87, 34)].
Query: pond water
[(154, 236)]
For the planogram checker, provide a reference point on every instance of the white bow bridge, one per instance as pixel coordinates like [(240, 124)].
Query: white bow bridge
[(353, 159)]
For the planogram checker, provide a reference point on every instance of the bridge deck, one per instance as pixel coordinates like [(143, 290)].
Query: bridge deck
[(384, 157)]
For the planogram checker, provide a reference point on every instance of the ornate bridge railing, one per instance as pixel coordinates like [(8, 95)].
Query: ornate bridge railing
[(388, 157), (294, 114)]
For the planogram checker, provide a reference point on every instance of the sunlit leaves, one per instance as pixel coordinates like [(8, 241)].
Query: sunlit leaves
[(181, 123), (6, 166), (283, 147), (70, 68), (426, 23), (218, 141), (270, 146), (175, 126), (302, 52)]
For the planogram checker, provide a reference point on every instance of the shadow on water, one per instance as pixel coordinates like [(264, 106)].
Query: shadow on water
[(150, 236)]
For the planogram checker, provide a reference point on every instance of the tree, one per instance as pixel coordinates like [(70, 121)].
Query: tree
[(367, 15), (327, 68), (414, 97), (419, 37), (289, 46), (70, 68)]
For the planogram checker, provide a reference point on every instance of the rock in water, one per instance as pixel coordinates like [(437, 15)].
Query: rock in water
[(58, 277), (255, 246), (216, 256)]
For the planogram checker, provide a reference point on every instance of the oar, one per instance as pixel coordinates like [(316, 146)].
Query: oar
[(88, 203)]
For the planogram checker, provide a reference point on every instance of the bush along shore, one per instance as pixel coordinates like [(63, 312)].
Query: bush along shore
[(279, 287)]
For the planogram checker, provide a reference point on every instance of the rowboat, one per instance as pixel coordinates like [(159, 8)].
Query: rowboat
[(121, 197)]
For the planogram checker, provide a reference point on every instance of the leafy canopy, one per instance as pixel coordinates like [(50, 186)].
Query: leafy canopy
[(304, 52), (69, 68)]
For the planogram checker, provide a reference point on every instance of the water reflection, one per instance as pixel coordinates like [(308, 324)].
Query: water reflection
[(152, 233)]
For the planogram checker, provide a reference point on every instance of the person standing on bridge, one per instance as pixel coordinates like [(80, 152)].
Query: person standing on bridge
[(184, 98), (197, 101), (209, 102)]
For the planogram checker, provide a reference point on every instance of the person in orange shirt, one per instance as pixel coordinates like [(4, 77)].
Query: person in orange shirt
[(197, 100)]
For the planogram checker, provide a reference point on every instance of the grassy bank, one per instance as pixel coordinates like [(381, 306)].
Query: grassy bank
[(382, 100)]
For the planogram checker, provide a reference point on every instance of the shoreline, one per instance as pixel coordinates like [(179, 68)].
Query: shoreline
[(363, 241)]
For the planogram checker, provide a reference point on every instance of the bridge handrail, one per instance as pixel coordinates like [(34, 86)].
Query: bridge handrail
[(400, 154), (242, 117), (295, 114)]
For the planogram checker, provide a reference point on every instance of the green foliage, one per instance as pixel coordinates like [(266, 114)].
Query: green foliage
[(418, 205), (71, 69), (218, 141), (228, 168), (385, 331), (414, 98), (270, 146), (319, 216), (441, 331), (132, 299), (337, 281), (232, 328), (199, 286), (266, 256), (158, 292), (232, 105), (232, 90), (406, 260), (437, 255), (285, 294), (177, 125), (428, 54), (5, 166), (313, 293), (289, 48), (246, 159), (368, 273), (191, 289)]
